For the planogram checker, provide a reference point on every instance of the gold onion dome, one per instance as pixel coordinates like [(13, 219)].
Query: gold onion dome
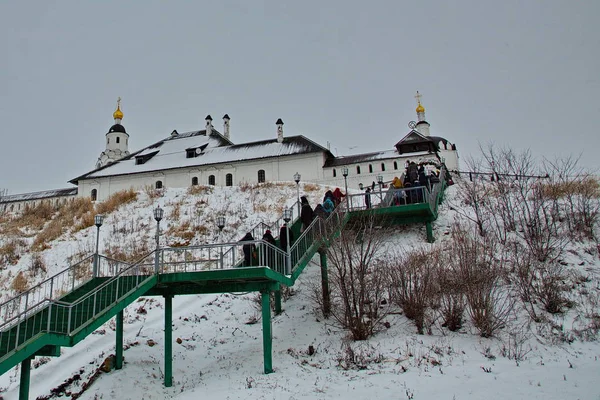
[(118, 114), (420, 108)]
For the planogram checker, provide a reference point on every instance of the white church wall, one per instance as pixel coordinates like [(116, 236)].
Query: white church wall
[(276, 169)]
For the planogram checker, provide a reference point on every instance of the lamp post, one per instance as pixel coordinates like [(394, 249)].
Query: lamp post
[(380, 182), (158, 215), (345, 173), (98, 220), (287, 216), (297, 180), (221, 225)]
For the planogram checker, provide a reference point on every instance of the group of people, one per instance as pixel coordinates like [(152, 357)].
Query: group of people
[(307, 214)]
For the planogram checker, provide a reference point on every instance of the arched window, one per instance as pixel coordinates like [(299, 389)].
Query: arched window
[(158, 185), (370, 168), (228, 180), (94, 194), (118, 139), (261, 176), (395, 164), (211, 180), (358, 170), (107, 140), (195, 181), (383, 166), (334, 173)]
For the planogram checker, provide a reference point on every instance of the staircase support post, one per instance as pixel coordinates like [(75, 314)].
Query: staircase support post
[(168, 340), (25, 379), (430, 238), (325, 284), (267, 334), (278, 300), (119, 343)]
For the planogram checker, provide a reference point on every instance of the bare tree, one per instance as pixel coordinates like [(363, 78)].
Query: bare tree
[(357, 280)]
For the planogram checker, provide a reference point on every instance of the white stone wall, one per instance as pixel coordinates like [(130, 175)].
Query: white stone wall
[(276, 169)]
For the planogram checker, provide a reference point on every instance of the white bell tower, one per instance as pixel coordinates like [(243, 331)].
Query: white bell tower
[(117, 140)]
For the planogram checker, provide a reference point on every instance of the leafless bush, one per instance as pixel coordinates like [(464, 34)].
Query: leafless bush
[(37, 264), (489, 303), (20, 283), (451, 297), (357, 280), (10, 251), (515, 346), (413, 279)]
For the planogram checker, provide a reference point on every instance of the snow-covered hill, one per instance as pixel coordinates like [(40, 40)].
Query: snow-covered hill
[(218, 352)]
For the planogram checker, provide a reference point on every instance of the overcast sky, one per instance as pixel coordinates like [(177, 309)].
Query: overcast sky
[(520, 73)]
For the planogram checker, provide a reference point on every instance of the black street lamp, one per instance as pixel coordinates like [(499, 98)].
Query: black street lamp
[(221, 225), (380, 182), (297, 180), (361, 186), (158, 215), (345, 173), (287, 217), (98, 221)]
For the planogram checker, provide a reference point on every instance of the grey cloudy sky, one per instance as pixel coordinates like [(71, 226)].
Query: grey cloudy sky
[(521, 73)]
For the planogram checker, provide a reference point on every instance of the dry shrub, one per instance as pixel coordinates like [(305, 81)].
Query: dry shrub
[(50, 233), (413, 277), (311, 187), (489, 304), (358, 282), (20, 283), (37, 264), (129, 252), (245, 186), (451, 298), (199, 189), (35, 217), (116, 200), (9, 252), (153, 193)]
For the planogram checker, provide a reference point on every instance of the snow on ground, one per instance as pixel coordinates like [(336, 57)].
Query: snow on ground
[(220, 354)]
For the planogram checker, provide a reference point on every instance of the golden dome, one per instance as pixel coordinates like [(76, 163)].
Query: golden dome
[(118, 114), (420, 108)]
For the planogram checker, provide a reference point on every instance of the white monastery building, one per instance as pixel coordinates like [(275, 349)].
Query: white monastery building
[(209, 157)]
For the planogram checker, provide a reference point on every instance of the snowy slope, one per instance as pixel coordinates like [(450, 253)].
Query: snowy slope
[(220, 355)]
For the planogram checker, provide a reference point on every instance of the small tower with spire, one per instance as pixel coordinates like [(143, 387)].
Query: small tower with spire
[(422, 126), (117, 140)]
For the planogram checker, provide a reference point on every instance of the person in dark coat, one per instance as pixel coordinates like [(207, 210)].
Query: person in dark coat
[(412, 172), (283, 237), (267, 254), (368, 197), (319, 212), (306, 213), (248, 249)]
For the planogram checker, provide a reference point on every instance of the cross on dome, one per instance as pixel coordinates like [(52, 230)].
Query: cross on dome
[(118, 114), (420, 108)]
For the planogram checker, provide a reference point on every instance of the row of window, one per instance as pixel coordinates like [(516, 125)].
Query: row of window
[(370, 168)]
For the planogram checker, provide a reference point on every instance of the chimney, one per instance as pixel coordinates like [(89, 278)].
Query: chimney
[(208, 125), (279, 124), (226, 126), (174, 133)]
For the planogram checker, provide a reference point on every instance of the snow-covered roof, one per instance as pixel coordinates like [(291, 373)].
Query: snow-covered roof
[(172, 153), (369, 157), (38, 195)]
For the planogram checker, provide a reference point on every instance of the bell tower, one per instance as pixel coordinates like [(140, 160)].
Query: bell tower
[(117, 140)]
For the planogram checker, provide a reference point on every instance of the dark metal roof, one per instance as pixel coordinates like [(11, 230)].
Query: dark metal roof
[(38, 195), (117, 128), (355, 159)]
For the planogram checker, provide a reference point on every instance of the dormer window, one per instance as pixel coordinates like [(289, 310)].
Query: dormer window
[(195, 151), (143, 158)]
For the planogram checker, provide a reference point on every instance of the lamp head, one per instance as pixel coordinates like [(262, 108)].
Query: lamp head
[(99, 220), (158, 213), (297, 178), (287, 215), (380, 179), (345, 171), (361, 186), (221, 222)]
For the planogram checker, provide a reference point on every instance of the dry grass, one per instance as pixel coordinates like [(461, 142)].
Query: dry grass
[(116, 200), (9, 252), (128, 252), (73, 213), (153, 193), (311, 187), (199, 189), (588, 186), (20, 283)]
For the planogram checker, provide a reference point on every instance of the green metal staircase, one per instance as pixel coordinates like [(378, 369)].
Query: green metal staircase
[(69, 306)]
